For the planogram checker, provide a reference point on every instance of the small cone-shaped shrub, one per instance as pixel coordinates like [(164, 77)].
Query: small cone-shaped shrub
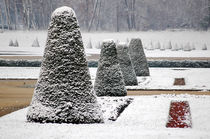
[(157, 46), (181, 47), (126, 66), (16, 43), (193, 47), (169, 45), (204, 47), (151, 47), (175, 47), (162, 48), (187, 47), (138, 57), (98, 45), (64, 92), (11, 43), (35, 43), (89, 45), (109, 78)]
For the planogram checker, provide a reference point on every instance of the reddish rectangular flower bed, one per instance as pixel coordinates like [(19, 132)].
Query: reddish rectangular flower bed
[(179, 115)]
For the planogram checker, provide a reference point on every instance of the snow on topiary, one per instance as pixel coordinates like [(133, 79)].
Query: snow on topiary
[(157, 46), (35, 43), (181, 47), (64, 92), (138, 57), (150, 47), (169, 45), (125, 65), (204, 47), (11, 43), (162, 48), (109, 78), (98, 45), (193, 47), (175, 47), (187, 47), (89, 45), (16, 43)]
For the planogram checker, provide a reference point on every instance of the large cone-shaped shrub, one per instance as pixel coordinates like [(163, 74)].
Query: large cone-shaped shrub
[(125, 65), (64, 92), (138, 57), (109, 79)]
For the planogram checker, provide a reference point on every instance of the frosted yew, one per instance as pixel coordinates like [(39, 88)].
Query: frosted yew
[(109, 78), (125, 65), (16, 44), (35, 43), (204, 47), (11, 43), (64, 92), (169, 45), (138, 57), (89, 45)]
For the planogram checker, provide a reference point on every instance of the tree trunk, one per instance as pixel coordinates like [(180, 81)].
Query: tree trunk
[(16, 14), (87, 14), (2, 22), (117, 14), (133, 22), (94, 13), (128, 15), (99, 12), (7, 14)]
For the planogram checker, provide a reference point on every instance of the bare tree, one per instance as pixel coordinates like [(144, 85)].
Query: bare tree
[(93, 16)]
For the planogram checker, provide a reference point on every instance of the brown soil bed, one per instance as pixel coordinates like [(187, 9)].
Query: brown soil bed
[(179, 81), (17, 94)]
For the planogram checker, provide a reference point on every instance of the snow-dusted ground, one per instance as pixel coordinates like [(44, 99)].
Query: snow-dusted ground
[(196, 38), (160, 78), (145, 118)]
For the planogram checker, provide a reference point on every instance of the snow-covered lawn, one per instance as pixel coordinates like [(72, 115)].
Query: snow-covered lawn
[(145, 118), (196, 38), (161, 78)]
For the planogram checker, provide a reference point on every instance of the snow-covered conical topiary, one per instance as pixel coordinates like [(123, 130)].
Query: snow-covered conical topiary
[(162, 48), (64, 92), (109, 78), (98, 45), (16, 43), (89, 45), (125, 65), (138, 57), (187, 47), (11, 43), (35, 43), (193, 47), (151, 46), (204, 47), (169, 45), (157, 46), (175, 48)]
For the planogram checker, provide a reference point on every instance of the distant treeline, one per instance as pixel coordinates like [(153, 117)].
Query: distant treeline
[(161, 63), (109, 15)]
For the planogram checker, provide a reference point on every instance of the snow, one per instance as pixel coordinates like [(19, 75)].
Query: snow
[(63, 10), (160, 78), (196, 38), (145, 118)]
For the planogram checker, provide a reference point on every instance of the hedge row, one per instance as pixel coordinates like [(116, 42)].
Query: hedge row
[(162, 63)]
